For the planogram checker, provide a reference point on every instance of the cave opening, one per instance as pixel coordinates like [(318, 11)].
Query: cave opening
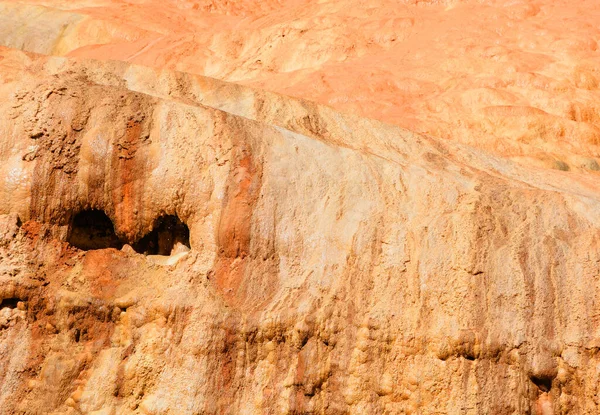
[(93, 229), (9, 302), (169, 236)]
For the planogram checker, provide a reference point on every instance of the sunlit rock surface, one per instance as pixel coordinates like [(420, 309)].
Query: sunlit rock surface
[(375, 208)]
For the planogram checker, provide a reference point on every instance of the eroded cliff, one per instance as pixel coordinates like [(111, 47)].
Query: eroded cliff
[(248, 252)]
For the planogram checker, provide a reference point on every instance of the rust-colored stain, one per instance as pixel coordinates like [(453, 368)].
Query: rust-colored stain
[(87, 330), (127, 178), (234, 232), (299, 380), (129, 166), (101, 268), (32, 230)]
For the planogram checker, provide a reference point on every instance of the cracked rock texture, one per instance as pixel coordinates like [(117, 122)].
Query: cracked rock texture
[(337, 264)]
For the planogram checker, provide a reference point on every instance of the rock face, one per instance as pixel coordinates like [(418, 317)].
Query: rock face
[(177, 244), (519, 78)]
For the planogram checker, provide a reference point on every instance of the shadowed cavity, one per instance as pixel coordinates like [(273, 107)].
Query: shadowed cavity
[(93, 229), (169, 234)]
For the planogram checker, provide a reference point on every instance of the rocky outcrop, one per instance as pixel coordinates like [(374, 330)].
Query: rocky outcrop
[(337, 264), (177, 244)]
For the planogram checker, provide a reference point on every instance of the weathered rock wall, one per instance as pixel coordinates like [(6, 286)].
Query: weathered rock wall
[(337, 264)]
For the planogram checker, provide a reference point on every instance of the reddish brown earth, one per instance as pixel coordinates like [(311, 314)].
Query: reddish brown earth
[(391, 207)]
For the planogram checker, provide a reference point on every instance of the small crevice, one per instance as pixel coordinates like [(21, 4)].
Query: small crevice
[(543, 383)]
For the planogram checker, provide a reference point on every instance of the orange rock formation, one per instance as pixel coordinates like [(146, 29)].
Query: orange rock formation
[(299, 206)]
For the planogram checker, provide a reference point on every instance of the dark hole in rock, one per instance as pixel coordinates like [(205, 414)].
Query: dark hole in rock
[(92, 229), (543, 383), (168, 234), (9, 302)]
